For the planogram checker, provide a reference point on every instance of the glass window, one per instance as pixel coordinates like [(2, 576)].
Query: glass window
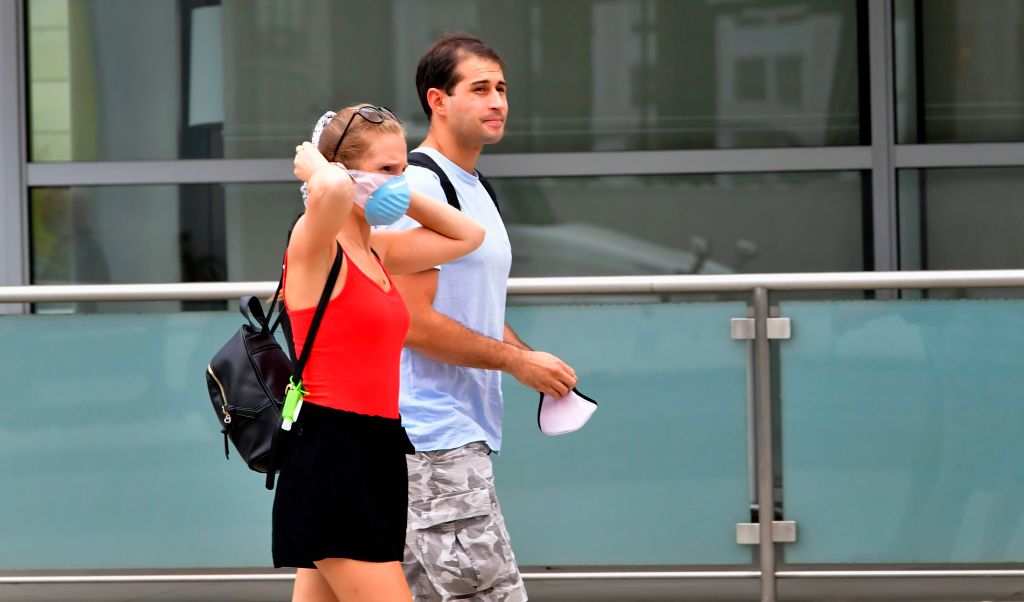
[(148, 234), (968, 219), (713, 224), (962, 219), (622, 225), (129, 80), (958, 71)]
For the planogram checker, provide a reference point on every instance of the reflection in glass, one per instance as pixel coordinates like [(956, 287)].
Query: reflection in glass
[(904, 419), (109, 479), (114, 460), (129, 80), (150, 234), (962, 219), (969, 219), (958, 71), (714, 224), (685, 379)]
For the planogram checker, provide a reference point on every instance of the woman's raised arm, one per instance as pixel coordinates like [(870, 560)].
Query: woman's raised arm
[(330, 197), (445, 233)]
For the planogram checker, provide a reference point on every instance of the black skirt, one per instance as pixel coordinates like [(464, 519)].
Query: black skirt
[(343, 491)]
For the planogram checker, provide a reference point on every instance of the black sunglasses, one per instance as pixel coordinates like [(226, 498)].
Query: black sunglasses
[(369, 113)]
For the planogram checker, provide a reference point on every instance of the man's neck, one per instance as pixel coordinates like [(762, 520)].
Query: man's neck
[(459, 154)]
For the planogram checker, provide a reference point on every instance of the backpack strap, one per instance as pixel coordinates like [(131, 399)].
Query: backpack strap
[(282, 318), (420, 159), (490, 190), (427, 162), (321, 308), (307, 347)]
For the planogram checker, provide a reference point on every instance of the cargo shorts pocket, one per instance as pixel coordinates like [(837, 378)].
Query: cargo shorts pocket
[(460, 543)]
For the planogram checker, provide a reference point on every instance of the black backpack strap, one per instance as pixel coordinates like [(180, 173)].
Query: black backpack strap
[(321, 308), (274, 304), (307, 347), (289, 338), (490, 190), (252, 309), (426, 162), (282, 318)]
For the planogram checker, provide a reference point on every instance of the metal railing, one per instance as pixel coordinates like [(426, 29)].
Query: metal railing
[(759, 285), (583, 285)]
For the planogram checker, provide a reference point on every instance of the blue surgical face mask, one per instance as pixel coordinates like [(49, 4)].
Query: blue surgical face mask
[(388, 202)]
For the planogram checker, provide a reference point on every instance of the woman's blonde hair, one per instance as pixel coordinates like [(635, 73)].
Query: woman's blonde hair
[(357, 139)]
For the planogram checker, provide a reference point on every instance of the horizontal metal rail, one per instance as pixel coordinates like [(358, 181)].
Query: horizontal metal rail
[(150, 578), (528, 576), (184, 291), (534, 165), (925, 573), (241, 577), (584, 285), (514, 165), (583, 575)]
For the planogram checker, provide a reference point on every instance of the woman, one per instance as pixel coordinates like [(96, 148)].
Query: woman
[(341, 502)]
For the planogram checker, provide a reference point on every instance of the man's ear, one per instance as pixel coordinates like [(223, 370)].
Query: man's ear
[(436, 101)]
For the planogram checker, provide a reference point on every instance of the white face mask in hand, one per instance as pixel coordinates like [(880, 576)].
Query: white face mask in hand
[(561, 415)]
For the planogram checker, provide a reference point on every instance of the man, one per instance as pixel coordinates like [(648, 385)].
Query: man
[(458, 344)]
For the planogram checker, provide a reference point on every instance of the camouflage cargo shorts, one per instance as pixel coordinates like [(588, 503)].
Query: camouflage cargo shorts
[(457, 547)]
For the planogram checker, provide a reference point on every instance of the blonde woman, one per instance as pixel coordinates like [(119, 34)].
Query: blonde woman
[(341, 502)]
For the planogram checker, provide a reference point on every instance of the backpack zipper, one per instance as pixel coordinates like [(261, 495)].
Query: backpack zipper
[(223, 395)]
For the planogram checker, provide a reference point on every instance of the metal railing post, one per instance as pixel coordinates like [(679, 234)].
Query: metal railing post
[(14, 251), (763, 422)]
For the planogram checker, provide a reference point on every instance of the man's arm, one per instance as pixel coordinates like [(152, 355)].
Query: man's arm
[(513, 339), (441, 338)]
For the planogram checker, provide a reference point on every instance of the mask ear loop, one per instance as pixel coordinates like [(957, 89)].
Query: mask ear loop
[(318, 131)]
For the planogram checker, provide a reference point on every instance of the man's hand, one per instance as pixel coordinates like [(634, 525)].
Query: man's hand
[(542, 372)]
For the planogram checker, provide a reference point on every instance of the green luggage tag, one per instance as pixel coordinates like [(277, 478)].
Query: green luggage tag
[(293, 395)]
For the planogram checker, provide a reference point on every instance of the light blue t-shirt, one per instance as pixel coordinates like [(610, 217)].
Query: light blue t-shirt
[(445, 406)]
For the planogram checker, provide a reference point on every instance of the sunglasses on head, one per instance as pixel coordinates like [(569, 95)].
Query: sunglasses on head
[(369, 113)]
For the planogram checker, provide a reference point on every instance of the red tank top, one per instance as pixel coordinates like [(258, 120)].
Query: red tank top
[(355, 361)]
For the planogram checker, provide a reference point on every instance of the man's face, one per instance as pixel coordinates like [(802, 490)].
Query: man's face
[(477, 106)]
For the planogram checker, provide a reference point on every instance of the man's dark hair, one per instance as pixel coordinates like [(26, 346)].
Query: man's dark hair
[(439, 62)]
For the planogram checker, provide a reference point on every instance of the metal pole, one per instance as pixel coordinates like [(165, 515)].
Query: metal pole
[(883, 135), (763, 418), (241, 576), (13, 195), (578, 285)]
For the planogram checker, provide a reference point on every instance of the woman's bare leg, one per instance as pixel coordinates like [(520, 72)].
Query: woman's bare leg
[(359, 581), (310, 586)]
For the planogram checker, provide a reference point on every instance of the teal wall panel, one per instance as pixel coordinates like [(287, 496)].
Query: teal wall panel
[(903, 430), (112, 456), (659, 474)]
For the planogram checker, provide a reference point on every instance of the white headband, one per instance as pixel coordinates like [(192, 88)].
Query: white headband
[(318, 130)]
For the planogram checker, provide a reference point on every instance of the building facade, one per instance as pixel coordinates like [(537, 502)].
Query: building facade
[(646, 137), (149, 141)]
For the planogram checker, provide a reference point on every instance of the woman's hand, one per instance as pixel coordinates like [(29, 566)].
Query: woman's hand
[(308, 160)]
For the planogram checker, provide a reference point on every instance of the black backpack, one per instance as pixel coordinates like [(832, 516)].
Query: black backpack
[(425, 161), (248, 377)]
